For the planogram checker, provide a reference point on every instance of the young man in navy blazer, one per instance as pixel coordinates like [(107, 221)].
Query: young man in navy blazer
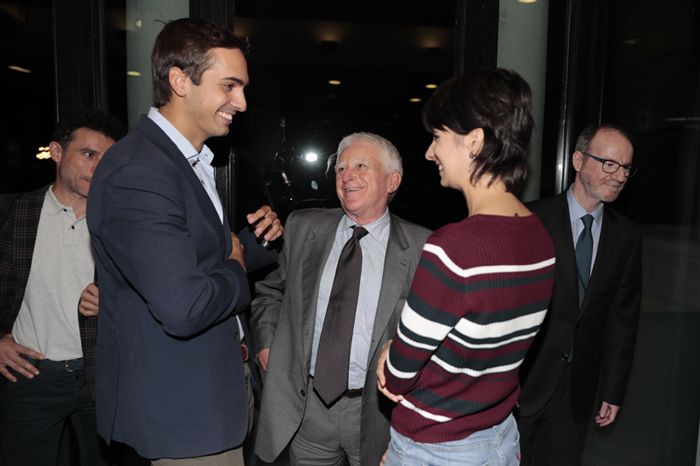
[(170, 377)]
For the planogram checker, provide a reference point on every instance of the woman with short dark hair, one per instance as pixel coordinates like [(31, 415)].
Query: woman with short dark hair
[(481, 290)]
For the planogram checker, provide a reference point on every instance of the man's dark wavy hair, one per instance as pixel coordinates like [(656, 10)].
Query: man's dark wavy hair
[(185, 43), (96, 120)]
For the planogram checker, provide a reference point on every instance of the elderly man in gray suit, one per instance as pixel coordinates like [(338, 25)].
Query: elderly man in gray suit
[(324, 314)]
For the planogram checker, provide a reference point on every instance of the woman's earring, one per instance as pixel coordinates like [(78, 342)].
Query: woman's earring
[(472, 155)]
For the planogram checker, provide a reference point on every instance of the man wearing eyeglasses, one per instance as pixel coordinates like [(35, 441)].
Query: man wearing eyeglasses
[(585, 347)]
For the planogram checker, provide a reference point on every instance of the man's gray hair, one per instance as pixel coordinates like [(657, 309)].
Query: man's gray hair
[(389, 153)]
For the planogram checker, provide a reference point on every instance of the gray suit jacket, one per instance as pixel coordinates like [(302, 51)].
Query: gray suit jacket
[(283, 320)]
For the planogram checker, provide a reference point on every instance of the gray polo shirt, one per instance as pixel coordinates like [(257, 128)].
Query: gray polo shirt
[(62, 266)]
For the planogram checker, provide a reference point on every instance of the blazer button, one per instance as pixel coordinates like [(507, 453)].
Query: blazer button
[(564, 356), (302, 392)]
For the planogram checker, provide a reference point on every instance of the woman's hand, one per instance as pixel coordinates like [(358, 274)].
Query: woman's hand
[(381, 379)]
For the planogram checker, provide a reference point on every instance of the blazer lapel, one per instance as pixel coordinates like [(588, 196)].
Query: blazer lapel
[(160, 139), (316, 247), (25, 231), (394, 280), (560, 230)]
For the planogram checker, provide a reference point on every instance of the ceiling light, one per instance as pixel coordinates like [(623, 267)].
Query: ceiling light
[(334, 82), (19, 69), (414, 100), (431, 86), (311, 157), (527, 1), (133, 73)]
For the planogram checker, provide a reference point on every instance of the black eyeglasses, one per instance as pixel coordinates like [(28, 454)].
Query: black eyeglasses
[(610, 166)]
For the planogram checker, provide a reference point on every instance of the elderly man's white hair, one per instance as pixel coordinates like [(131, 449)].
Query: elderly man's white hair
[(390, 154)]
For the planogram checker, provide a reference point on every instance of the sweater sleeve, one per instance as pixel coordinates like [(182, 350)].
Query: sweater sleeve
[(433, 308)]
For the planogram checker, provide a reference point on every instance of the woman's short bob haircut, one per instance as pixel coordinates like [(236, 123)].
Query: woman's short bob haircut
[(497, 101)]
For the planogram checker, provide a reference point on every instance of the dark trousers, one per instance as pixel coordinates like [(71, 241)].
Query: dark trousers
[(552, 437), (34, 412)]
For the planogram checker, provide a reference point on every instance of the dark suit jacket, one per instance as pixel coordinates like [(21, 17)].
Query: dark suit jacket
[(19, 214), (283, 316), (169, 375), (602, 333)]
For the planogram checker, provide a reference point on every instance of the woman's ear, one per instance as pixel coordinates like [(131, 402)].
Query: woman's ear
[(475, 140)]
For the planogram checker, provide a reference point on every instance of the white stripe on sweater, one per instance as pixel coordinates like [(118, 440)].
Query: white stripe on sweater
[(425, 414), (484, 269), (499, 329), (414, 343), (467, 344), (422, 326), (472, 372)]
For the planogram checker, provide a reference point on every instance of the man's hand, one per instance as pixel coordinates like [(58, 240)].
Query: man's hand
[(264, 358), (381, 380), (237, 250), (266, 223), (10, 358), (89, 300), (607, 414)]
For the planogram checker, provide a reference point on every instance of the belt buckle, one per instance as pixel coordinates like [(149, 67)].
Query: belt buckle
[(66, 366)]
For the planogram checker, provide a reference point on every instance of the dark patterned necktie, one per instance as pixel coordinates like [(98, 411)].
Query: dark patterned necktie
[(333, 355), (584, 255)]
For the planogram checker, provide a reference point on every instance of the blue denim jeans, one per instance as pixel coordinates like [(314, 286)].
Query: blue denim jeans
[(498, 445)]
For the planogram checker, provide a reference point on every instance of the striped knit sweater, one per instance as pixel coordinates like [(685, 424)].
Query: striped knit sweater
[(478, 298)]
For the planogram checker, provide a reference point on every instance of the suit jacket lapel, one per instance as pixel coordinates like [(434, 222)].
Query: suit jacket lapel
[(560, 231), (160, 139), (28, 212), (393, 282), (317, 246)]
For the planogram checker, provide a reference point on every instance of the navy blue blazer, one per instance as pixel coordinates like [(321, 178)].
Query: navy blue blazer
[(169, 374)]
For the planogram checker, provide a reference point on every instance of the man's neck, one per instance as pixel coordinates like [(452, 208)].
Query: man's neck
[(70, 199), (583, 199), (176, 117)]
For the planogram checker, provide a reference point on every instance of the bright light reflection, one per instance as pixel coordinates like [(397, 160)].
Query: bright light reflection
[(133, 73), (311, 157), (43, 153), (19, 68)]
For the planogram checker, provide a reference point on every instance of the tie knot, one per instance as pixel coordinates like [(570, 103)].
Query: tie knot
[(358, 232), (587, 221)]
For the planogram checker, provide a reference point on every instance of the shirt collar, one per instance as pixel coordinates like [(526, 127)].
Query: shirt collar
[(182, 143), (373, 229), (53, 206), (576, 211)]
